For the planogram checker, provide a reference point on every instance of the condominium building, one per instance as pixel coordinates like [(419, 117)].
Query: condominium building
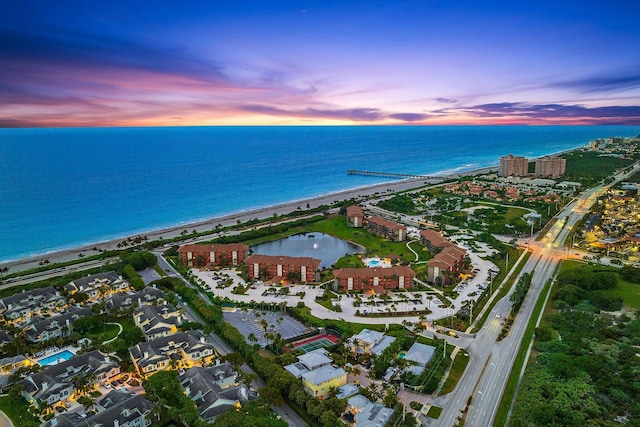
[(267, 267), (513, 166), (448, 260), (355, 216), (552, 167), (222, 254), (353, 279), (388, 229)]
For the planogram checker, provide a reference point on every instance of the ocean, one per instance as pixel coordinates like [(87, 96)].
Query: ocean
[(62, 188)]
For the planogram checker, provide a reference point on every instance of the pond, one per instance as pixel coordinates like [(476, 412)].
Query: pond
[(321, 246)]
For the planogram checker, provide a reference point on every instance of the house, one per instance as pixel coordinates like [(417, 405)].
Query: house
[(56, 382), (355, 216), (157, 321), (118, 409), (9, 365), (219, 254), (268, 267), (388, 229), (180, 350), (24, 305), (419, 355), (369, 342), (58, 326), (309, 361), (366, 413), (98, 286), (318, 382), (214, 390), (395, 277)]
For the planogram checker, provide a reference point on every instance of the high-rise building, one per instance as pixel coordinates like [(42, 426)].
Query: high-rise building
[(513, 166), (551, 167)]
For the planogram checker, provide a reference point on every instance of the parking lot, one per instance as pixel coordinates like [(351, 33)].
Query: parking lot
[(259, 323)]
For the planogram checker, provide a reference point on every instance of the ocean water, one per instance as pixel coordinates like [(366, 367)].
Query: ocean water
[(60, 188)]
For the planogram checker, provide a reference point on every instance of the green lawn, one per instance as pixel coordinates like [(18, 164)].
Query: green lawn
[(629, 292), (434, 412), (18, 412), (458, 367)]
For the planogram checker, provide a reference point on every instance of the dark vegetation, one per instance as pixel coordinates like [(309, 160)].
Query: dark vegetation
[(585, 365)]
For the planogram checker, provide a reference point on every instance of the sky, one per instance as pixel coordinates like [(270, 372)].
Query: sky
[(168, 63)]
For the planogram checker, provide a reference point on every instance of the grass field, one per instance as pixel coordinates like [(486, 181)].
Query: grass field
[(18, 413), (458, 367)]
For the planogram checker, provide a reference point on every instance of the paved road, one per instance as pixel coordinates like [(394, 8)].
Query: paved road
[(490, 364), (4, 420)]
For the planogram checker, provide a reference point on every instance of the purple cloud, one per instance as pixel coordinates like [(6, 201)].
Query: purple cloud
[(627, 115), (601, 83)]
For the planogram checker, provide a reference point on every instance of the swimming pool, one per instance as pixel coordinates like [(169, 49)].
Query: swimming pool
[(374, 263), (56, 358)]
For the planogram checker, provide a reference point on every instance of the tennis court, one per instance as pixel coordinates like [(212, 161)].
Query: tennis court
[(314, 343)]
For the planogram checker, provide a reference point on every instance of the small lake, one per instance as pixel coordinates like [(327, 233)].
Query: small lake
[(315, 245)]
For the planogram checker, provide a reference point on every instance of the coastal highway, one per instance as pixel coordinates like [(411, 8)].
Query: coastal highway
[(482, 384)]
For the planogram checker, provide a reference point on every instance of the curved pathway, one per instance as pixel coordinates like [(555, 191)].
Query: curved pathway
[(4, 420), (117, 335), (411, 249)]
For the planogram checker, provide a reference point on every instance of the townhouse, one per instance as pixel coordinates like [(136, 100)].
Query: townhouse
[(54, 327), (56, 382), (98, 286), (150, 295), (157, 321), (118, 408), (317, 374), (180, 350), (24, 305), (369, 342)]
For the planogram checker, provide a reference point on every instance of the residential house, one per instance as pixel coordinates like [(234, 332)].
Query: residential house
[(353, 279), (157, 321), (369, 342), (180, 350), (118, 408), (215, 389), (56, 382), (24, 305), (219, 254), (98, 286), (276, 268), (57, 326), (355, 216), (320, 381), (308, 362), (419, 355), (385, 228), (366, 413)]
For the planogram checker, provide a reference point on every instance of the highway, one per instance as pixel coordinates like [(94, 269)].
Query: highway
[(482, 385)]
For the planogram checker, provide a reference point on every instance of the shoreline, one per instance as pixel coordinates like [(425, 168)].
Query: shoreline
[(84, 250)]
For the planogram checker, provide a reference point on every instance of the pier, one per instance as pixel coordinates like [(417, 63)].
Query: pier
[(393, 175)]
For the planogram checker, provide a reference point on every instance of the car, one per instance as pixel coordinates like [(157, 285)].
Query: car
[(107, 385), (60, 409), (253, 287), (498, 315), (113, 384)]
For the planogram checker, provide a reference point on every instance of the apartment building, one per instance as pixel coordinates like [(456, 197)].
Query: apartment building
[(219, 254), (513, 166), (355, 279), (270, 267), (385, 228)]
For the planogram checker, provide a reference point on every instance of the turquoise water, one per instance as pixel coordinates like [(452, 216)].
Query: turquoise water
[(64, 355), (60, 188)]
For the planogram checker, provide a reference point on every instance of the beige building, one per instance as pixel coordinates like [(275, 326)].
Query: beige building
[(550, 166), (513, 166)]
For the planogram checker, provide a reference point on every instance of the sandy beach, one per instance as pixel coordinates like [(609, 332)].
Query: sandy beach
[(230, 220)]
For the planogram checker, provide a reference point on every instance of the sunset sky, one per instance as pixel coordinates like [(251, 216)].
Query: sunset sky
[(155, 63)]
